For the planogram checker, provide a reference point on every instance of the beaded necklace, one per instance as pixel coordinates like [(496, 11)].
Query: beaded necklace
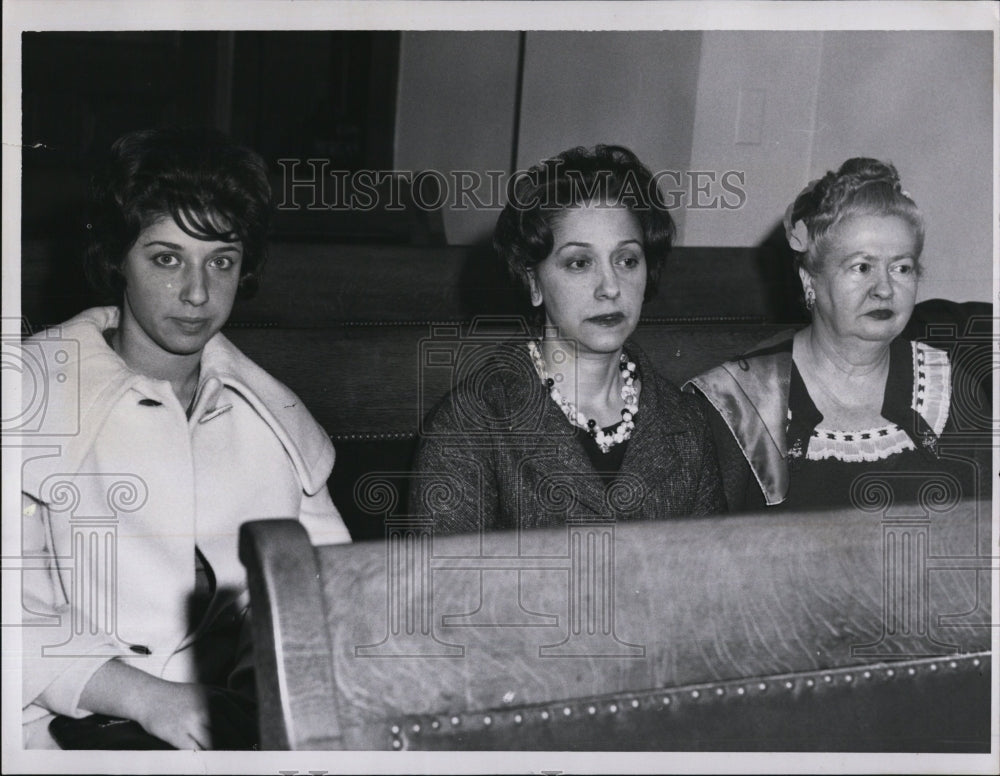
[(605, 440)]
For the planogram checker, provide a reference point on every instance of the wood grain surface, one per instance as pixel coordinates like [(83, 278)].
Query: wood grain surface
[(444, 627)]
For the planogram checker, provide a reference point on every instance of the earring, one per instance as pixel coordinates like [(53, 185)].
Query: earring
[(533, 292), (810, 299)]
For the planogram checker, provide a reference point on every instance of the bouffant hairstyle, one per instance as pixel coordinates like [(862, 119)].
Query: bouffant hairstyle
[(861, 186), (605, 174), (213, 188)]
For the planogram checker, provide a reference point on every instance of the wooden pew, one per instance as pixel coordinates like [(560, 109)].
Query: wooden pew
[(317, 285), (842, 631)]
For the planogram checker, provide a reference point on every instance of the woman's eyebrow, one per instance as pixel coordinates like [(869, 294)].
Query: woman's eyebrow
[(876, 256), (236, 246), (576, 244)]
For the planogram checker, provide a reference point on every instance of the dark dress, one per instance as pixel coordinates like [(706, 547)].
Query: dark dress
[(914, 458), (935, 449)]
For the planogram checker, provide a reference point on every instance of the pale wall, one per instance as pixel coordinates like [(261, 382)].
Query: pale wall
[(629, 88), (455, 111), (922, 100), (781, 70)]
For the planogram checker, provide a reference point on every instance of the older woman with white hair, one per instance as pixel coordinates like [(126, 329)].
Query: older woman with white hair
[(810, 412)]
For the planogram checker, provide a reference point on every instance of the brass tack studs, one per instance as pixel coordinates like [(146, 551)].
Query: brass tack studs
[(518, 719), (952, 664), (545, 715), (487, 720), (789, 685), (397, 744), (890, 672), (810, 683), (567, 711), (719, 691), (740, 691), (695, 694), (395, 730), (591, 710), (867, 674), (975, 662), (456, 721), (911, 671), (666, 700), (416, 728), (635, 703), (613, 708)]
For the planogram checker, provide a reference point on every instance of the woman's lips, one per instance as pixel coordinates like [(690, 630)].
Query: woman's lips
[(882, 314), (191, 325), (611, 319)]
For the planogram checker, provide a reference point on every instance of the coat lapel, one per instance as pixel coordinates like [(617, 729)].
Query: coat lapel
[(751, 396)]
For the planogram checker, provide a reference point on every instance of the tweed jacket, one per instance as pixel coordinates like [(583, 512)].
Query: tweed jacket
[(497, 453), (119, 486)]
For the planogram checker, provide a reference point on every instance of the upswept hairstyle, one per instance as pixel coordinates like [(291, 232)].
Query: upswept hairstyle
[(861, 186), (605, 174), (213, 188)]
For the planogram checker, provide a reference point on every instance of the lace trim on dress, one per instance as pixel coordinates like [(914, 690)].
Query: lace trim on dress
[(931, 399), (873, 444), (932, 385)]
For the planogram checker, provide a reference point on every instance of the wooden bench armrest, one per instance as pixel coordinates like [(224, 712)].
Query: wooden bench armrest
[(291, 639)]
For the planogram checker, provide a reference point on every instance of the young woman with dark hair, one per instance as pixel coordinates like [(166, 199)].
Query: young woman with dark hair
[(200, 439)]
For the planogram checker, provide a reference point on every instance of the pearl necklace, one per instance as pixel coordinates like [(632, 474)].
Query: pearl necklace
[(622, 430)]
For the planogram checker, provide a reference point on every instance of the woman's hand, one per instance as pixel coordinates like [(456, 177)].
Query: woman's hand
[(175, 712)]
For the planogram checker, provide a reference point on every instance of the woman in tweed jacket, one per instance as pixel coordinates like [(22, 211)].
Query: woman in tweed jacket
[(575, 423)]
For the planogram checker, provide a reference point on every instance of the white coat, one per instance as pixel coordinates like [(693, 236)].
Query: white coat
[(120, 485)]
